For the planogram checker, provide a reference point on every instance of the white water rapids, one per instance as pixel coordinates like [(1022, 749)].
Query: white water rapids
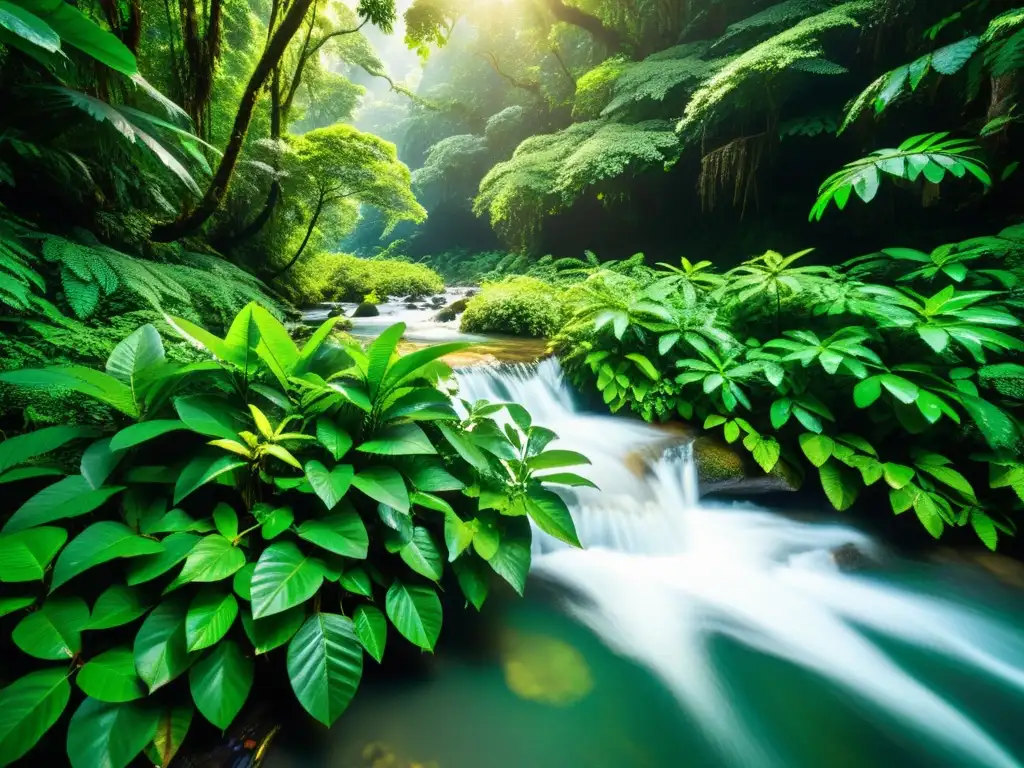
[(662, 573)]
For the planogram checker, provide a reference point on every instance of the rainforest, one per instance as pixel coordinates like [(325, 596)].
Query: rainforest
[(668, 353)]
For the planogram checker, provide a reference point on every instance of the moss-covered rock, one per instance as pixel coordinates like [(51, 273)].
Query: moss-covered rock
[(366, 309)]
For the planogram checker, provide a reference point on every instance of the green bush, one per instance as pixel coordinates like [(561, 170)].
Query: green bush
[(341, 277), (270, 499), (519, 306), (857, 374)]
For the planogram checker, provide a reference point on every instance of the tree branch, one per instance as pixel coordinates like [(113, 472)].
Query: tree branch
[(491, 59), (569, 14)]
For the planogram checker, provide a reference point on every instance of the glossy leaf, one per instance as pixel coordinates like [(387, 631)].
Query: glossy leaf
[(330, 485), (325, 665), (213, 558), (171, 729), (21, 448), (342, 533), (144, 431), (273, 631), (69, 497), (111, 677), (422, 555), (24, 556), (29, 707), (210, 615), (160, 649), (104, 735), (203, 469), (97, 544), (548, 510), (332, 437), (220, 683), (116, 606), (384, 484), (371, 629), (177, 546), (399, 440), (54, 631), (284, 578), (416, 613)]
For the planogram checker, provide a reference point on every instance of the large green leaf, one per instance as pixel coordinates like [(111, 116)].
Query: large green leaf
[(24, 556), (78, 30), (70, 497), (342, 533), (325, 664), (817, 448), (160, 649), (550, 513), (144, 431), (273, 631), (432, 477), (241, 583), (111, 677), (210, 615), (276, 522), (9, 605), (556, 459), (275, 346), (242, 339), (840, 485), (422, 555), (357, 581), (28, 27), (98, 462), (118, 605), (203, 469), (378, 355), (221, 682), (211, 416), (384, 484), (332, 437), (472, 575), (409, 366), (416, 613), (330, 485), (177, 546), (212, 559), (21, 448), (313, 345), (135, 353), (28, 708), (371, 629), (511, 561), (400, 440), (171, 729), (54, 631), (103, 735), (100, 543), (77, 378), (284, 578)]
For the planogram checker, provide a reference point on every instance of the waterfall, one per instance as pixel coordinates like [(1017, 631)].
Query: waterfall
[(662, 573)]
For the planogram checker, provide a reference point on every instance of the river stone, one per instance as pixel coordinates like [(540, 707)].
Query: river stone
[(366, 310), (452, 311), (720, 467)]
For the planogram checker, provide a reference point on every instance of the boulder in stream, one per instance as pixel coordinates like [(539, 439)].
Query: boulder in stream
[(452, 311), (366, 309)]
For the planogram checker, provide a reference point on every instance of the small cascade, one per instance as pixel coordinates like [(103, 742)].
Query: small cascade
[(662, 575)]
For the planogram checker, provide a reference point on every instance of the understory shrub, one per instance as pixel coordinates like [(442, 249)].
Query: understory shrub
[(519, 306), (341, 277), (269, 499)]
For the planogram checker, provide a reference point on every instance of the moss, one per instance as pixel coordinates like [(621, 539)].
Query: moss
[(521, 306), (366, 309), (340, 277), (717, 464)]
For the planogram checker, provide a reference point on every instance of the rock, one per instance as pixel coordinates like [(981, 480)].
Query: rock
[(366, 310), (850, 557), (452, 311), (413, 305), (437, 301), (336, 312)]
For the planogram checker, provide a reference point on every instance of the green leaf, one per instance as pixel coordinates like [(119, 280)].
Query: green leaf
[(143, 432), (325, 665), (160, 650), (284, 578), (226, 520), (210, 615), (171, 730), (645, 365), (566, 478), (28, 27), (330, 485), (9, 605), (54, 631), (21, 448), (70, 497), (220, 683), (77, 378), (29, 707), (211, 416), (371, 629), (203, 469), (400, 440), (135, 353), (985, 529), (817, 448), (556, 459), (422, 555), (867, 392), (242, 581), (99, 462), (111, 677), (903, 390), (767, 453), (433, 478), (839, 485), (24, 556), (100, 543), (109, 735), (357, 581), (79, 31), (897, 475), (409, 366), (275, 346), (469, 452), (116, 606), (273, 631), (511, 561), (416, 613), (177, 547), (332, 437), (212, 559), (949, 476), (277, 522), (384, 484), (457, 536), (378, 355), (342, 533), (550, 513), (473, 581), (928, 513)]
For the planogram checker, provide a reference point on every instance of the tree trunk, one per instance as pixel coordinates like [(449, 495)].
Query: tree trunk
[(569, 14), (305, 240), (271, 57)]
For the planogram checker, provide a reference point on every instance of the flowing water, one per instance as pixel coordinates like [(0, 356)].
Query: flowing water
[(689, 633)]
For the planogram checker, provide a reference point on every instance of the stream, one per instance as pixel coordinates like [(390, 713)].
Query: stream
[(694, 633)]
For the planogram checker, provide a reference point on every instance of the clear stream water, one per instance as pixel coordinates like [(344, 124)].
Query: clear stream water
[(689, 633)]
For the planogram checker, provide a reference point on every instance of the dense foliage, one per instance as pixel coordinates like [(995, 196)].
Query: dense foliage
[(267, 499)]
